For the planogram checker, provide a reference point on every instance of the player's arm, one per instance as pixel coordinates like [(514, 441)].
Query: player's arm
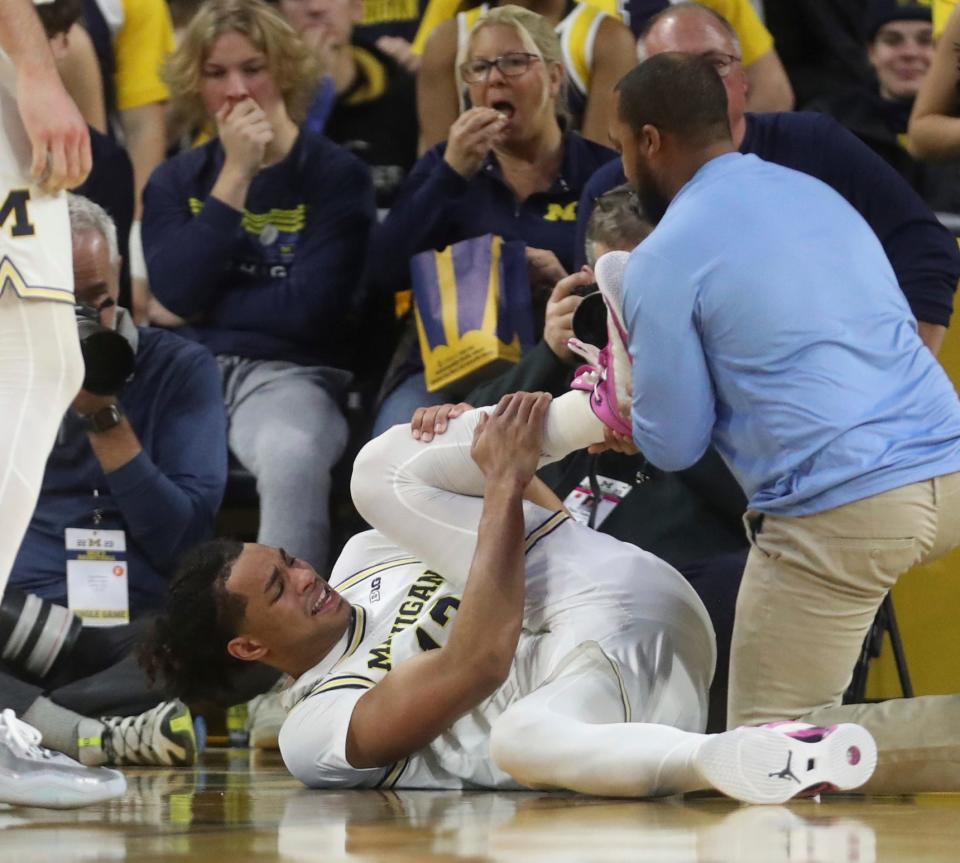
[(57, 132), (422, 697), (934, 131), (80, 73), (437, 102), (615, 54), (768, 87)]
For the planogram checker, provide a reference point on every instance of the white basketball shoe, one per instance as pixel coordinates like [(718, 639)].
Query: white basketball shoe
[(772, 763), (31, 775)]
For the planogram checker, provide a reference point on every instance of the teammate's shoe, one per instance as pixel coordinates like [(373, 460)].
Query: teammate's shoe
[(772, 763), (608, 373), (31, 775), (162, 736)]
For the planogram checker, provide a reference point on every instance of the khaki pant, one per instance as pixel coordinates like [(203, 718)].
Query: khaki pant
[(810, 591)]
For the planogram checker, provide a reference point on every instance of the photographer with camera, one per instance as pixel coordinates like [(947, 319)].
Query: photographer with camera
[(135, 478), (143, 448)]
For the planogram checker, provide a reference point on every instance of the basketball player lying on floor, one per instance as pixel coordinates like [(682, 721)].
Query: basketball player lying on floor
[(478, 640)]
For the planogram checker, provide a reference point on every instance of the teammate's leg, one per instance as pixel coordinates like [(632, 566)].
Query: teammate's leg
[(41, 370), (425, 497)]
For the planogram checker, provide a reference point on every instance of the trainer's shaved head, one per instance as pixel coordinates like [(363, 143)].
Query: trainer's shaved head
[(671, 119), (679, 94)]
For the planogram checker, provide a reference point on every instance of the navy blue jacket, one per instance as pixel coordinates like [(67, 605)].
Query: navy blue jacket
[(923, 253), (278, 281), (165, 498), (437, 207)]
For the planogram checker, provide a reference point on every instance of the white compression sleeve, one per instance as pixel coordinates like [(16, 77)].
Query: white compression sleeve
[(425, 497)]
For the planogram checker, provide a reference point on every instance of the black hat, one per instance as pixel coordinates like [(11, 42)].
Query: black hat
[(880, 12)]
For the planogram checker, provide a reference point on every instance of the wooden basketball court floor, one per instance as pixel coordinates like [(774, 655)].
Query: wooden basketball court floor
[(240, 805)]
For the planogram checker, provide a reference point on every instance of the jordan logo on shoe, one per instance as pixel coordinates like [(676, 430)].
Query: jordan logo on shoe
[(787, 772)]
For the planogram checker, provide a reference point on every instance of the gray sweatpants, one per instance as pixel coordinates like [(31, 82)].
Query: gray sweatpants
[(287, 429)]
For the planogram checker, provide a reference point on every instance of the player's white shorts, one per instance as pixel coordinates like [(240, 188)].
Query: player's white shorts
[(585, 587), (35, 253)]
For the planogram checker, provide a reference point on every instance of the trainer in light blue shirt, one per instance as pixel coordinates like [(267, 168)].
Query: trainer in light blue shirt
[(765, 318)]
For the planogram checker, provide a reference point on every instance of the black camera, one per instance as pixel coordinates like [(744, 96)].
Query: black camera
[(590, 319), (107, 356)]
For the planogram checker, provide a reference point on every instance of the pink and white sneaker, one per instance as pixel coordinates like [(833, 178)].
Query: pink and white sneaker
[(608, 373), (772, 763)]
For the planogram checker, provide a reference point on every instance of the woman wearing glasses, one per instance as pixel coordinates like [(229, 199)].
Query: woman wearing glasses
[(507, 168), (596, 51)]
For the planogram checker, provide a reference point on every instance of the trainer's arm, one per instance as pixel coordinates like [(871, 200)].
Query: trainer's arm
[(673, 415), (425, 695)]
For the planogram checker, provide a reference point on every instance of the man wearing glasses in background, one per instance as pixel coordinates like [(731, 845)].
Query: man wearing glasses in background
[(923, 253)]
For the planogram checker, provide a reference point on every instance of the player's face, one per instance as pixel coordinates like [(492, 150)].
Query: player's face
[(293, 617), (901, 54), (235, 70), (691, 34), (95, 276), (528, 99)]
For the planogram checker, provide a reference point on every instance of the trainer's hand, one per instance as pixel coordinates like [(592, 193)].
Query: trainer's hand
[(433, 420), (58, 133), (507, 442), (471, 139), (616, 442), (563, 302)]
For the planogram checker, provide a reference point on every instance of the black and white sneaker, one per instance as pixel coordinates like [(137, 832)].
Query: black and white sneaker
[(163, 736), (772, 763)]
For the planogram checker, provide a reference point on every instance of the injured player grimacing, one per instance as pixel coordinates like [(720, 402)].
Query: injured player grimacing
[(477, 640)]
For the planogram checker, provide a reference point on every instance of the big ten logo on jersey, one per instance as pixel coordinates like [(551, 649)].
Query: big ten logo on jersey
[(561, 212), (419, 594), (375, 590), (15, 204)]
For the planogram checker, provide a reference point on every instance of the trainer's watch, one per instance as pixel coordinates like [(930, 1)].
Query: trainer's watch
[(104, 419)]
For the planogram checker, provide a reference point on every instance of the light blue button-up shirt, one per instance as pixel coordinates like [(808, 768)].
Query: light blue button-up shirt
[(765, 318)]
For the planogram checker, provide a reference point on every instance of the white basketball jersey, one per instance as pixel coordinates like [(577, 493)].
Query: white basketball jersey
[(36, 259), (401, 609)]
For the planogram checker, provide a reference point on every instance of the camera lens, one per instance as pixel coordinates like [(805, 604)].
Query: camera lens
[(35, 632), (590, 320), (107, 356)]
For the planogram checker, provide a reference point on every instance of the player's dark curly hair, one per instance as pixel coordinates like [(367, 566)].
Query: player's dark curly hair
[(188, 645)]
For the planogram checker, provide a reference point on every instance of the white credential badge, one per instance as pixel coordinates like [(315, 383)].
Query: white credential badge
[(97, 583)]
